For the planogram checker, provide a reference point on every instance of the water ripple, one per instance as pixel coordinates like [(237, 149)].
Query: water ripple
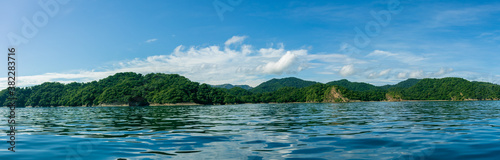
[(368, 130)]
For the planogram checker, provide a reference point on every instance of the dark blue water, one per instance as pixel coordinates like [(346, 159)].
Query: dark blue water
[(367, 130)]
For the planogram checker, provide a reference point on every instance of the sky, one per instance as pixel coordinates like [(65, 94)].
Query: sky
[(251, 41)]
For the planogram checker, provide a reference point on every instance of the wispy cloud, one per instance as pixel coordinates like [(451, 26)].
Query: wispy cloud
[(151, 40), (421, 74), (490, 36), (374, 75), (463, 16), (406, 58), (235, 39)]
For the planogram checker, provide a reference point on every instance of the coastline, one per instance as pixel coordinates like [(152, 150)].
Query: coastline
[(197, 104)]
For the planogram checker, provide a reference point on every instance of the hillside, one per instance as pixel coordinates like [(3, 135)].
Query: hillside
[(229, 86), (275, 84), (134, 89), (403, 84), (449, 89), (355, 86), (119, 89)]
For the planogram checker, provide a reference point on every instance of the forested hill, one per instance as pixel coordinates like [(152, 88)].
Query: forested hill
[(229, 86), (157, 88), (355, 86), (448, 89), (403, 84), (275, 84)]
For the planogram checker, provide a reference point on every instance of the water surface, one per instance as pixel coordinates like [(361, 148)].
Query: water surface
[(365, 130)]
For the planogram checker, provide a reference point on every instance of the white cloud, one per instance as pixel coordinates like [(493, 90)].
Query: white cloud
[(235, 39), (244, 64), (211, 64), (374, 75), (402, 75), (490, 36), (442, 72), (81, 76), (151, 40), (462, 16), (289, 63), (421, 74), (384, 72), (405, 58), (347, 70), (378, 53), (417, 74)]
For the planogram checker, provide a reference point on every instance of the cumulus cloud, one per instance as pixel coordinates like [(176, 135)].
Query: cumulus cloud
[(151, 40), (289, 63), (212, 64)]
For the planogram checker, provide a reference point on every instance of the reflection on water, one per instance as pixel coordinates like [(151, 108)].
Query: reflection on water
[(367, 130)]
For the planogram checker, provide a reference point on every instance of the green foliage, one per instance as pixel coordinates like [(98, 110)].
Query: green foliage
[(355, 86), (158, 88), (230, 86), (450, 89), (275, 84), (403, 84)]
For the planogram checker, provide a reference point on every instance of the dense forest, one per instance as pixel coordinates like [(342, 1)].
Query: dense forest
[(229, 86), (135, 89)]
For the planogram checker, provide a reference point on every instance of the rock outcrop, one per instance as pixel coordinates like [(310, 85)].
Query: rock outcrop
[(334, 95)]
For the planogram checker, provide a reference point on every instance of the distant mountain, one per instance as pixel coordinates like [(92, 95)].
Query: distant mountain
[(355, 86), (275, 84), (229, 86), (403, 84)]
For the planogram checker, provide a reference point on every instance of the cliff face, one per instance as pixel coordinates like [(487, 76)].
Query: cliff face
[(334, 95)]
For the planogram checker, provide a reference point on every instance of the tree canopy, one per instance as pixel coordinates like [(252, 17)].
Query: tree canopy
[(157, 88)]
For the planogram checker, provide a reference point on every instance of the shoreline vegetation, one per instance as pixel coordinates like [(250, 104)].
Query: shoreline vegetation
[(196, 104), (159, 89)]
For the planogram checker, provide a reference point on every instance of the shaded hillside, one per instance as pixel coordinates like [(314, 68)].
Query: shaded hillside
[(229, 86), (403, 84)]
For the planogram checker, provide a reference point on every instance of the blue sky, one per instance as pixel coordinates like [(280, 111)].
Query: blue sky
[(249, 42)]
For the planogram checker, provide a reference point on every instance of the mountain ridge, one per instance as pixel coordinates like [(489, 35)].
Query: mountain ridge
[(229, 86), (133, 89)]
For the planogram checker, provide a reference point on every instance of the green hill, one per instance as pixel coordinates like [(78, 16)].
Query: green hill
[(403, 84), (134, 89), (275, 84), (449, 89), (355, 86), (229, 86), (120, 89)]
